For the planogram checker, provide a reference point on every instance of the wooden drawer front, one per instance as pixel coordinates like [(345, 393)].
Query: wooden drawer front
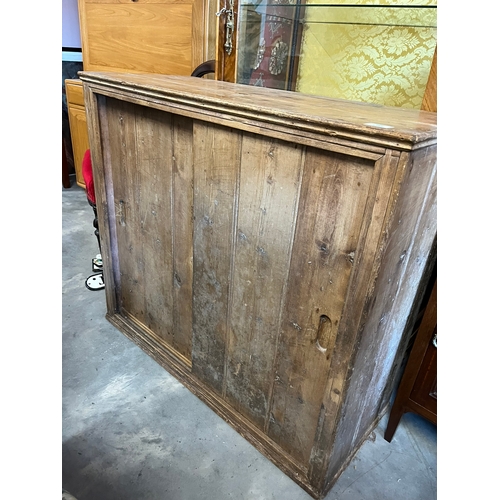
[(74, 92)]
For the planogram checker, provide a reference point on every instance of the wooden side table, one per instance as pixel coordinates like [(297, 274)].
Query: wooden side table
[(417, 391)]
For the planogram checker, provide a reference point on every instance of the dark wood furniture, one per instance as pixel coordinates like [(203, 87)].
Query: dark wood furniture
[(417, 391), (265, 247)]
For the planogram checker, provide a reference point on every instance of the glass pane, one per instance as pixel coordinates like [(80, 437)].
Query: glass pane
[(378, 53)]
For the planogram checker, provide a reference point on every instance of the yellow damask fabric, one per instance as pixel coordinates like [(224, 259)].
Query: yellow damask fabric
[(379, 55)]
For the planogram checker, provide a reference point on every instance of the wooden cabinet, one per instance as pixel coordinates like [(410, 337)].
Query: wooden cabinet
[(78, 125), (265, 247)]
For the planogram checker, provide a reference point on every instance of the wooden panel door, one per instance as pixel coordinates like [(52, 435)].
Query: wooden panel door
[(144, 36)]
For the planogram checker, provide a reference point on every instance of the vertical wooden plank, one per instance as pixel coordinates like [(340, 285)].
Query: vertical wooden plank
[(199, 32), (182, 232), (429, 102), (123, 157), (334, 194), (211, 22), (269, 187), (216, 156), (226, 64), (154, 219)]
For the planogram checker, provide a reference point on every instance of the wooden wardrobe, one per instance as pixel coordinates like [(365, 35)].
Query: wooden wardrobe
[(170, 37)]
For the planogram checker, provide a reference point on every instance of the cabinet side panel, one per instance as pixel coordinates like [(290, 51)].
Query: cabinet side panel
[(411, 234), (216, 157), (268, 194), (334, 194)]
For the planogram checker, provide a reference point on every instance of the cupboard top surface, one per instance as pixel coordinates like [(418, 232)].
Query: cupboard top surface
[(334, 117)]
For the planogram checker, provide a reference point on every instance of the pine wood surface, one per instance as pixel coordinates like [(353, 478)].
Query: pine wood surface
[(265, 247), (74, 92), (138, 36), (78, 125), (408, 126)]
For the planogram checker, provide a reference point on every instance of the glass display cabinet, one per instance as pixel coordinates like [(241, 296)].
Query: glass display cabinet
[(378, 53)]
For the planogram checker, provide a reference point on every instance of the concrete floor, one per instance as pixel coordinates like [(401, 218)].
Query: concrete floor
[(130, 431)]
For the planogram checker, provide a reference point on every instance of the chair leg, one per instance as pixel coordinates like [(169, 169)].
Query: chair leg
[(96, 226), (397, 412), (95, 281)]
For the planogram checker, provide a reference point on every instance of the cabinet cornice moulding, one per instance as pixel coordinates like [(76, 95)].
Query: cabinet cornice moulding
[(326, 119)]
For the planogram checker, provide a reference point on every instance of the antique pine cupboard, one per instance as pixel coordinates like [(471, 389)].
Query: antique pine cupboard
[(265, 247)]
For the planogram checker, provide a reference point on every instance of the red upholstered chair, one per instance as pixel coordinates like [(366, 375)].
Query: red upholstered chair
[(94, 281)]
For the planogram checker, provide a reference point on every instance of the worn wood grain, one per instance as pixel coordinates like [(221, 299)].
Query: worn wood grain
[(333, 198), (398, 279), (380, 202), (323, 139), (267, 207), (155, 266), (182, 233), (152, 185), (290, 260), (297, 112), (216, 152), (122, 152)]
